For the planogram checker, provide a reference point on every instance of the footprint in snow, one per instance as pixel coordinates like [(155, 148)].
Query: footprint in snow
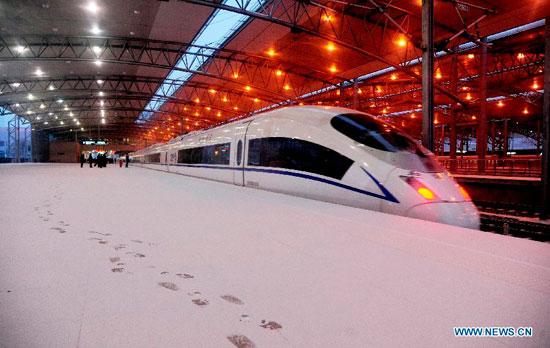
[(232, 299), (117, 270), (241, 341), (169, 286), (185, 275), (271, 325), (200, 302), (114, 259)]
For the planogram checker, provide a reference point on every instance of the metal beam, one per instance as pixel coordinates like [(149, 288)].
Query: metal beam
[(427, 75), (481, 134), (545, 213), (298, 16)]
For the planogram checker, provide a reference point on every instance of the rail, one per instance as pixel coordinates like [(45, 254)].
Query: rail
[(494, 166)]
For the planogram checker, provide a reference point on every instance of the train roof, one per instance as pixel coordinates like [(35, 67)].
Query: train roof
[(315, 113)]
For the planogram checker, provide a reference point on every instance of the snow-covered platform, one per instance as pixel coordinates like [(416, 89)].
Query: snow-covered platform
[(137, 258)]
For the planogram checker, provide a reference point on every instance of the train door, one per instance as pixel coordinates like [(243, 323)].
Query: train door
[(239, 140)]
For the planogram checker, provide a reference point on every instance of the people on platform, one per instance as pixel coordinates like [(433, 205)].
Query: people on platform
[(82, 159), (127, 160), (90, 159)]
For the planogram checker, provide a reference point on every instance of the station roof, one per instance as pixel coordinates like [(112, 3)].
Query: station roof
[(155, 69)]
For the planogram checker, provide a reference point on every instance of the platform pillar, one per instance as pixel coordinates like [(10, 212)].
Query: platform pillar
[(545, 213), (453, 110), (427, 74), (481, 134)]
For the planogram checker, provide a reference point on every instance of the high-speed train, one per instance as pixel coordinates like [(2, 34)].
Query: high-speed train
[(330, 154)]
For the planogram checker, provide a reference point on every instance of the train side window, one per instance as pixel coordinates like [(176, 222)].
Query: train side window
[(212, 154), (154, 158), (239, 152), (297, 154), (373, 133)]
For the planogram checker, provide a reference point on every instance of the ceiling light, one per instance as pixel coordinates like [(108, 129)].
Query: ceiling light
[(51, 87), (330, 46), (42, 106), (95, 30), (271, 52), (60, 101), (15, 84), (29, 112), (101, 94), (30, 96), (99, 82), (279, 73), (98, 62), (71, 114), (20, 49), (50, 113), (46, 122), (92, 7), (61, 122), (96, 50), (38, 72), (17, 105)]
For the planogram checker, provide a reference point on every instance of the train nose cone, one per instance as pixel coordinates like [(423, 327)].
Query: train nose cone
[(463, 214)]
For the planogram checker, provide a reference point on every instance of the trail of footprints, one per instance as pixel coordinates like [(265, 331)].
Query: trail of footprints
[(117, 265)]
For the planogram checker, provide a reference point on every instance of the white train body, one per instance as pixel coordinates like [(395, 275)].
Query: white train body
[(331, 154)]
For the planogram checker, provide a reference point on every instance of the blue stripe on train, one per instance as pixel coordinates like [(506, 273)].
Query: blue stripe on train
[(386, 195)]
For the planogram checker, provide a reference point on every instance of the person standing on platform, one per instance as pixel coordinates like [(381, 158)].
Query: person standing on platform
[(127, 160), (82, 159), (90, 159)]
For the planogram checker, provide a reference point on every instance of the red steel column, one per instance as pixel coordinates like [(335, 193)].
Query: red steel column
[(427, 74), (545, 213), (481, 135)]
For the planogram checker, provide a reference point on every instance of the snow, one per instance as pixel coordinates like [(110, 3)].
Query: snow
[(138, 258)]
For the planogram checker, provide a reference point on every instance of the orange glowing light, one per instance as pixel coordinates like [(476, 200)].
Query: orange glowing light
[(471, 56), (208, 108), (413, 115), (278, 73), (286, 87), (438, 74), (426, 193), (384, 111), (468, 96), (219, 114), (525, 111), (197, 114), (271, 52), (235, 75), (248, 88), (436, 121), (338, 92), (393, 77), (521, 55), (256, 100), (327, 18), (536, 85), (330, 46), (212, 91), (359, 91), (197, 100), (401, 41), (464, 193), (332, 68), (235, 108), (474, 117), (500, 104)]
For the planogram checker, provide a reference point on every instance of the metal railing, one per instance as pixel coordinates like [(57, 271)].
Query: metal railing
[(494, 166)]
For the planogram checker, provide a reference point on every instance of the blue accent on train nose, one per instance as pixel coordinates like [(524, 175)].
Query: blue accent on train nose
[(387, 194)]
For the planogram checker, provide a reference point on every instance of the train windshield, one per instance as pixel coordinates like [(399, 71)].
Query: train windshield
[(397, 147)]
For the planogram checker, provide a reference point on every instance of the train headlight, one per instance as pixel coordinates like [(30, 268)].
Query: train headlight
[(420, 188)]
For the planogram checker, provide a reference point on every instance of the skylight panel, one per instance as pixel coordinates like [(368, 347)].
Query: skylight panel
[(214, 34)]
